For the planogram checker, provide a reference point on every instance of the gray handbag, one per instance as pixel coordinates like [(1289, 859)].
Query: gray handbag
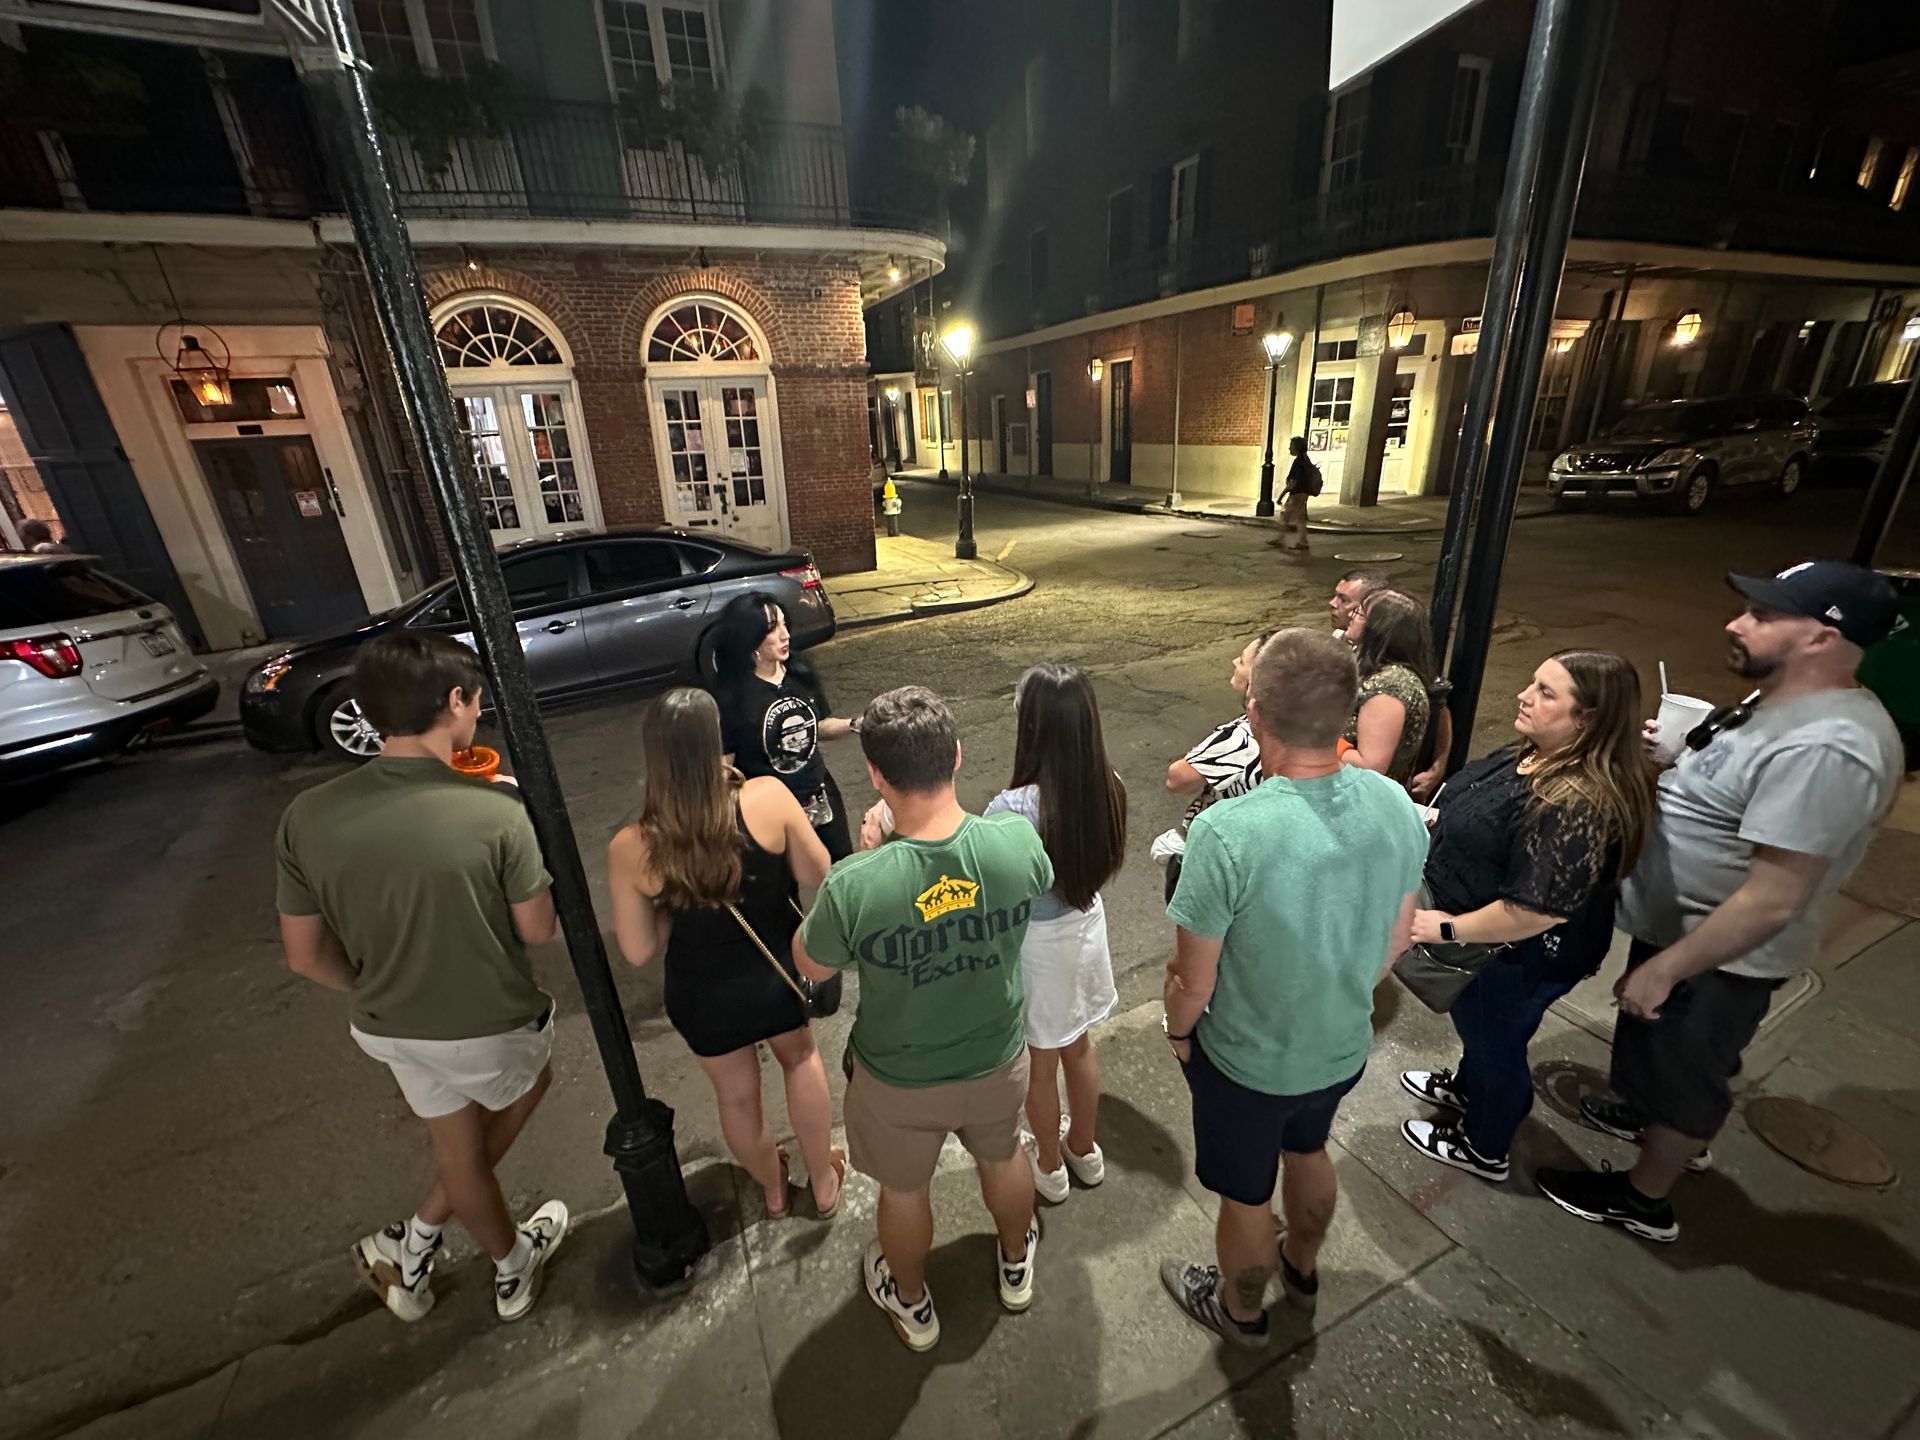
[(1437, 973)]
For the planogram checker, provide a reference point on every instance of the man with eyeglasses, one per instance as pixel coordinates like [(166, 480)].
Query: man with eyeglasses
[(1767, 812)]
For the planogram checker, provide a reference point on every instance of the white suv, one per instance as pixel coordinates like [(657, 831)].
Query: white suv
[(86, 664)]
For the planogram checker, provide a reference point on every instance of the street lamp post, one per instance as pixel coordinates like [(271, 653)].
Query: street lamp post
[(959, 344), (1276, 343), (893, 428)]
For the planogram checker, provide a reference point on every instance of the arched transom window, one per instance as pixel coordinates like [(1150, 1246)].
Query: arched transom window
[(477, 337), (700, 330)]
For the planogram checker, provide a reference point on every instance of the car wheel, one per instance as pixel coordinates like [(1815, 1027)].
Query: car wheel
[(1792, 475), (342, 728), (706, 658), (1694, 492)]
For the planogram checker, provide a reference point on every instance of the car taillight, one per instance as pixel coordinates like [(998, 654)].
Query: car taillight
[(54, 656), (807, 575)]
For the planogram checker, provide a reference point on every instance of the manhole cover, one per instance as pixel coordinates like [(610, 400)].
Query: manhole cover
[(1368, 557), (1203, 534), (1561, 1083), (1820, 1141)]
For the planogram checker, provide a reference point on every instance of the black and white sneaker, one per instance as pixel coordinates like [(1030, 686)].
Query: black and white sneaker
[(1624, 1121), (1433, 1086), (916, 1324), (1606, 1198), (513, 1295), (401, 1278), (1196, 1290), (1015, 1278), (1449, 1145)]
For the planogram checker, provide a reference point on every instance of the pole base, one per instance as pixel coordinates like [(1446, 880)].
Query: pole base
[(669, 1234), (965, 550), (1264, 509)]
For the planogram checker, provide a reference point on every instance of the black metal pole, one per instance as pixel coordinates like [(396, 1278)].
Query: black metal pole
[(1264, 506), (1890, 481), (1565, 65), (669, 1235), (963, 547)]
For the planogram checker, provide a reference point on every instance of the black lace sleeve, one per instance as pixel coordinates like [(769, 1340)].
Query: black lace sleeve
[(1560, 859)]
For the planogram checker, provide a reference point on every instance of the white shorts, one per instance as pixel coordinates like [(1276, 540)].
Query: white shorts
[(439, 1077), (1069, 976)]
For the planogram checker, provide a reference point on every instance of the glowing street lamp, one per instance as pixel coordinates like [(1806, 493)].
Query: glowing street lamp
[(1686, 329), (1400, 328), (1276, 343), (958, 342)]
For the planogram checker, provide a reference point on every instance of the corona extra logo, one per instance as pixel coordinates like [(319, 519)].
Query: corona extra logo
[(945, 896)]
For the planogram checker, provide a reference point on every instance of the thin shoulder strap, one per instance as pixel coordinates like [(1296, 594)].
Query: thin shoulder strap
[(761, 946)]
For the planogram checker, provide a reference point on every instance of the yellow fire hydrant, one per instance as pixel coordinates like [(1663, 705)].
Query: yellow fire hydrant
[(890, 506)]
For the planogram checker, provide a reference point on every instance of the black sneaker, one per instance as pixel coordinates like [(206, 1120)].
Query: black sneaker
[(1302, 1291), (1624, 1121), (1606, 1198), (1449, 1145), (1196, 1290), (1433, 1086)]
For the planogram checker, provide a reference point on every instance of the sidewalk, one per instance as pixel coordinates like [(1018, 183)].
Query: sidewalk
[(1394, 515), (1790, 1307), (918, 577)]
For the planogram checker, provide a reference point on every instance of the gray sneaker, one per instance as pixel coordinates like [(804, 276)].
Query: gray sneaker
[(1196, 1290)]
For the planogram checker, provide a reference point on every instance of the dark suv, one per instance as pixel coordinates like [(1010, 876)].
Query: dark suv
[(1682, 452)]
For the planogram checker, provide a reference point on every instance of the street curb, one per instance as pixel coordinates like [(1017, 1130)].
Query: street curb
[(1023, 584), (1121, 507)]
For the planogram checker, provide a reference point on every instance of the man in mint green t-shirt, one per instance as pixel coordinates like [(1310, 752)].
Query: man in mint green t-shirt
[(934, 920), (1293, 900)]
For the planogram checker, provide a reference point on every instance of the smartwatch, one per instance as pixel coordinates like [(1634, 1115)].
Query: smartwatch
[(1446, 932)]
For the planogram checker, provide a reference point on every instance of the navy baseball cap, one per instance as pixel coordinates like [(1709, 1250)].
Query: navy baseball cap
[(1853, 600)]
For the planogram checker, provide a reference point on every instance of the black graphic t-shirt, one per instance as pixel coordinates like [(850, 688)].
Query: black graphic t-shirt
[(775, 730)]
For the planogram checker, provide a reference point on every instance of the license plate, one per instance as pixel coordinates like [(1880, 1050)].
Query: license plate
[(157, 644)]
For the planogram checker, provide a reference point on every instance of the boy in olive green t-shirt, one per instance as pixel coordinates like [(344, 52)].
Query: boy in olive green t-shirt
[(934, 920)]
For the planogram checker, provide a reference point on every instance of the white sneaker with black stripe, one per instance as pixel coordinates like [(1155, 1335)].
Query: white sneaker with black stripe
[(1449, 1145), (917, 1325), (514, 1294), (1016, 1276), (1433, 1086), (401, 1278)]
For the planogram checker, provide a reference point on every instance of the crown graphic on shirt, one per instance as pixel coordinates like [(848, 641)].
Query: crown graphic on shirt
[(945, 896)]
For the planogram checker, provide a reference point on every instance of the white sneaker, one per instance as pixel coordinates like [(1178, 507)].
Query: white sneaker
[(383, 1263), (513, 1295), (1051, 1185), (1089, 1169), (916, 1324), (1016, 1278)]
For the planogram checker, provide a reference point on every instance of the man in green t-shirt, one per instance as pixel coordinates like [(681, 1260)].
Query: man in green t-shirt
[(1293, 900), (934, 919), (416, 890)]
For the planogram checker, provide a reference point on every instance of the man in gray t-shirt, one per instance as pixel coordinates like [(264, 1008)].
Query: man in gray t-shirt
[(1767, 813)]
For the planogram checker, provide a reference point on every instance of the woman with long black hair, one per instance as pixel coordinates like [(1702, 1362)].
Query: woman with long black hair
[(1065, 787)]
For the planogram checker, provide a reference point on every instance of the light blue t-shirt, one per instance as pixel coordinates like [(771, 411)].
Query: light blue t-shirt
[(1025, 802), (1301, 880)]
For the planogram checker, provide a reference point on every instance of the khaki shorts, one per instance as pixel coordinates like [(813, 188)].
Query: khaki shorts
[(894, 1133), (438, 1077)]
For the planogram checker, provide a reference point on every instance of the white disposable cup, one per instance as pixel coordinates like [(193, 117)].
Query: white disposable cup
[(1678, 715)]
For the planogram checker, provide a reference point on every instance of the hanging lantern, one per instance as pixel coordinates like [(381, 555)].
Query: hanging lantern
[(1400, 328), (209, 380), (1686, 329), (1095, 369)]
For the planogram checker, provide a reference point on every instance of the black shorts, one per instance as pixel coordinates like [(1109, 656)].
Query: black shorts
[(1679, 1069), (1239, 1134)]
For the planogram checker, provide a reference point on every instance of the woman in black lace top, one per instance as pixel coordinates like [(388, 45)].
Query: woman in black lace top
[(1528, 852)]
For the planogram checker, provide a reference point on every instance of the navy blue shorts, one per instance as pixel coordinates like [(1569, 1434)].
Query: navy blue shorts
[(1239, 1134)]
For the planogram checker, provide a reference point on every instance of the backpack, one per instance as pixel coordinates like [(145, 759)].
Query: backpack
[(1316, 482)]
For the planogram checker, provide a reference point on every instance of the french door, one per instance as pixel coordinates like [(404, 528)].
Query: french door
[(719, 457), (529, 464)]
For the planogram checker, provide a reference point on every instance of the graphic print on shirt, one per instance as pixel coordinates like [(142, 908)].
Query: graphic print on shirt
[(955, 935), (788, 734)]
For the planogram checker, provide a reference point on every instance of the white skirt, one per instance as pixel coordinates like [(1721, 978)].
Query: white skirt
[(1068, 973)]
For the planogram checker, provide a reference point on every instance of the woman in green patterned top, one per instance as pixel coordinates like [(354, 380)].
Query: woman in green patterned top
[(1389, 726)]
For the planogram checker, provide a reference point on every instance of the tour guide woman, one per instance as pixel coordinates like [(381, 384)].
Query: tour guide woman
[(1529, 848)]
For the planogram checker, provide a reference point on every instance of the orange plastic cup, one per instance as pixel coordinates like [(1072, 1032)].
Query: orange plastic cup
[(1340, 749), (481, 761)]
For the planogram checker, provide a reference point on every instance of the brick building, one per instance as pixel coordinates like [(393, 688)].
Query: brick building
[(1167, 181), (643, 321)]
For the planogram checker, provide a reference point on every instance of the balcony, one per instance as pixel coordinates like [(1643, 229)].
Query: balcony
[(1460, 203), (249, 149)]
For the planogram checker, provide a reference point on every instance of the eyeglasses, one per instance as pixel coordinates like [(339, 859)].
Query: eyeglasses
[(1727, 717)]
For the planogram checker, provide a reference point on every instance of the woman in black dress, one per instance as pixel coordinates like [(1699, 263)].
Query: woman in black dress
[(1528, 852), (708, 876)]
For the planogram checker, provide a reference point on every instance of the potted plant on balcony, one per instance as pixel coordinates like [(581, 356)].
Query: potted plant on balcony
[(936, 156), (435, 112)]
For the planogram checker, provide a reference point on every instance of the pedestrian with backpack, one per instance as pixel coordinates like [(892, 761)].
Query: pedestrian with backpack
[(1303, 482)]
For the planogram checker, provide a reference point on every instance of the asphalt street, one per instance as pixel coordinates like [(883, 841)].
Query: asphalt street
[(191, 1141)]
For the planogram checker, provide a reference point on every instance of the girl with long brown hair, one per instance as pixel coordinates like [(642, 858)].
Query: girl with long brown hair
[(1392, 711), (1064, 785), (1528, 852), (709, 877)]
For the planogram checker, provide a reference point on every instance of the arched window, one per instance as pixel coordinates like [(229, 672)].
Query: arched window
[(477, 337), (700, 330)]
